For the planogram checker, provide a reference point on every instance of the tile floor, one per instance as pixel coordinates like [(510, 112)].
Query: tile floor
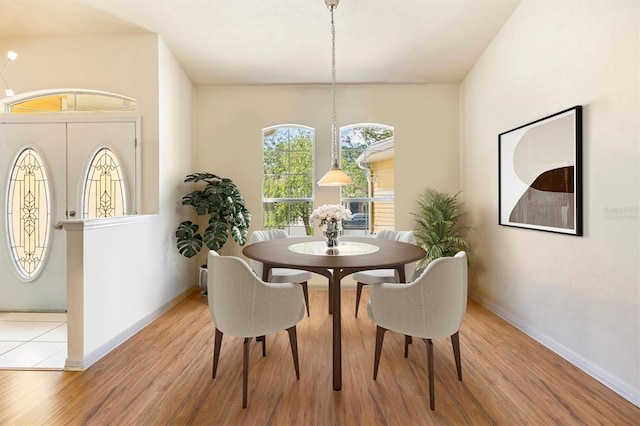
[(33, 341)]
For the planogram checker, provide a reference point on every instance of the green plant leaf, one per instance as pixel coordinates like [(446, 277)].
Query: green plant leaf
[(220, 199), (189, 242), (216, 234), (437, 226)]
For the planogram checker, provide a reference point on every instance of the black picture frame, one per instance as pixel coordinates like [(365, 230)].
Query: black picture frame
[(540, 174)]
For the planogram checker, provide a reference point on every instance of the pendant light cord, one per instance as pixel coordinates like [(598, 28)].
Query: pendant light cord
[(334, 125)]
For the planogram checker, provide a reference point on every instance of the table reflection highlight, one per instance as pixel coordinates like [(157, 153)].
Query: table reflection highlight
[(346, 248)]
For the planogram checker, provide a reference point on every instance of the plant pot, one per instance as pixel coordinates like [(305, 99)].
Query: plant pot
[(202, 279)]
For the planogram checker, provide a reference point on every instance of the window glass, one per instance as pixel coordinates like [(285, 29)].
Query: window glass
[(287, 184), (104, 187), (367, 156), (73, 102), (28, 213)]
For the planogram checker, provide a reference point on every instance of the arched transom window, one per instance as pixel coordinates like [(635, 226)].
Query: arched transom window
[(76, 100)]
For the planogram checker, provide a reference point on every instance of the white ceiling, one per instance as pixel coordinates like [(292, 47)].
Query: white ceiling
[(285, 41)]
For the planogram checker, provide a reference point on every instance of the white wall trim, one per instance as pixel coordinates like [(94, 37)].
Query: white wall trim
[(89, 224), (81, 364), (623, 389)]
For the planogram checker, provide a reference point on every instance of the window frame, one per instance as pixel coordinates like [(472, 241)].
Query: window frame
[(87, 184), (43, 225), (372, 226), (129, 105), (290, 226)]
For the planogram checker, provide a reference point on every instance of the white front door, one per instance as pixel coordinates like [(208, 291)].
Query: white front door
[(47, 290), (84, 140), (65, 150)]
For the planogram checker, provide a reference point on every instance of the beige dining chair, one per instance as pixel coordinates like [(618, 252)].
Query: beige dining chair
[(379, 276), (430, 307), (280, 275), (243, 305)]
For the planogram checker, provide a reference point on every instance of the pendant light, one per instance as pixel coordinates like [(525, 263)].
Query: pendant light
[(335, 176)]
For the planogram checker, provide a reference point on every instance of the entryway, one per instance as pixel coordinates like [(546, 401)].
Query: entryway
[(55, 171), (33, 341), (65, 155)]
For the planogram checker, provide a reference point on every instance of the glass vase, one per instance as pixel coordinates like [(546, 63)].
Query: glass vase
[(332, 232)]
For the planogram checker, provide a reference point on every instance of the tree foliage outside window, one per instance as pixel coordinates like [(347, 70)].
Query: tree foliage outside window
[(287, 188)]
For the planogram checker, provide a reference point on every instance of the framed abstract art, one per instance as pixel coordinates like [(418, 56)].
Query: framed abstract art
[(540, 174)]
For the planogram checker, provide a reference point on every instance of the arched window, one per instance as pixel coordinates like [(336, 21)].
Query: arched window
[(367, 153), (70, 100), (287, 178), (104, 187), (28, 213)]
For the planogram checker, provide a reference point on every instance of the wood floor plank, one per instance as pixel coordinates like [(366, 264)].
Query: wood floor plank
[(162, 376)]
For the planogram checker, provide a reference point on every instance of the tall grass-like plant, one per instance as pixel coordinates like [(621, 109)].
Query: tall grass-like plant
[(437, 226)]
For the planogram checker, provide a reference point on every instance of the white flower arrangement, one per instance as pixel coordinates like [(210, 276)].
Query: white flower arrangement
[(331, 213)]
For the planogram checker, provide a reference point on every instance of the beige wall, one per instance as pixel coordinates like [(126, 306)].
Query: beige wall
[(229, 120), (176, 153), (126, 65), (578, 295)]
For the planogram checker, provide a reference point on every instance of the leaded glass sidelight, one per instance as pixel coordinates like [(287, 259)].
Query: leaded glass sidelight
[(28, 213), (104, 188)]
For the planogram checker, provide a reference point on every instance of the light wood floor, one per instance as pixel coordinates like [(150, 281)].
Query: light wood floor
[(163, 376)]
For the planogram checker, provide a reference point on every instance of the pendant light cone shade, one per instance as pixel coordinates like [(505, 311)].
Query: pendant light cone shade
[(335, 176)]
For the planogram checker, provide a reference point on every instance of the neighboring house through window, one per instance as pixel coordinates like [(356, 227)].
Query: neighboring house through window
[(368, 158)]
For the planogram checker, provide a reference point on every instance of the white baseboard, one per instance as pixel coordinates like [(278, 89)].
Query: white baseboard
[(81, 364), (623, 389)]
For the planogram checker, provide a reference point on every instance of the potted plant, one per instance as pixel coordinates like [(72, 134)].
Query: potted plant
[(221, 201), (438, 227)]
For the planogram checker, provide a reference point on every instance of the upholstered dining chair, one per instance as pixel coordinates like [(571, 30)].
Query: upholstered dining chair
[(280, 275), (430, 307), (243, 305), (379, 276)]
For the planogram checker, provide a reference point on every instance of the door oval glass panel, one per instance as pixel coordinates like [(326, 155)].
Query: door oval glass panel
[(28, 214), (104, 187)]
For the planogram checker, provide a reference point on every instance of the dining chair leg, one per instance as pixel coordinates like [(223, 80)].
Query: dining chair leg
[(455, 341), (263, 339), (216, 351), (245, 371), (432, 397), (407, 341), (293, 340), (305, 291), (379, 340), (358, 295)]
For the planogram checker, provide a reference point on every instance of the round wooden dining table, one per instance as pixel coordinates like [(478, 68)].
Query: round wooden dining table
[(353, 254)]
